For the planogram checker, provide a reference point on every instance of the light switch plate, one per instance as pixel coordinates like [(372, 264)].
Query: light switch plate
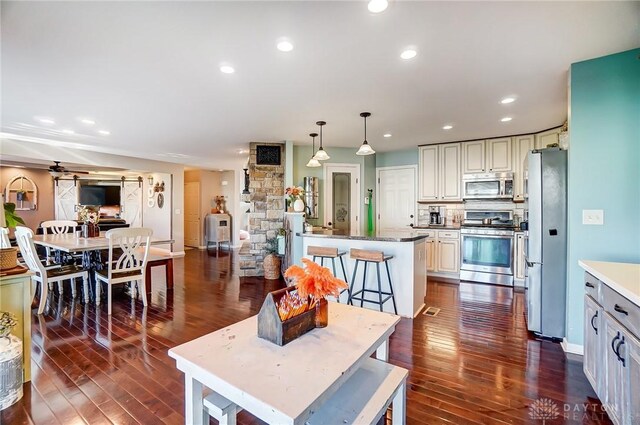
[(594, 217)]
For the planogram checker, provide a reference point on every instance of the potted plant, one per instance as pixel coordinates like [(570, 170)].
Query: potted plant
[(90, 216), (271, 262), (10, 217), (295, 197), (317, 282)]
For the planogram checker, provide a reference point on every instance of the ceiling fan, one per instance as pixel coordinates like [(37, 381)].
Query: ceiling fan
[(58, 170)]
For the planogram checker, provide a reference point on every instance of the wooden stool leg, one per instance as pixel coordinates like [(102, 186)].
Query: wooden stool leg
[(393, 297)]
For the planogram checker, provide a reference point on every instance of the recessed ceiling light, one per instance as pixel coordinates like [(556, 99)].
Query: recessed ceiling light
[(377, 6), (48, 121), (104, 132), (68, 131), (408, 54), (508, 100), (447, 127), (227, 69), (506, 119), (285, 46), (386, 135), (87, 121)]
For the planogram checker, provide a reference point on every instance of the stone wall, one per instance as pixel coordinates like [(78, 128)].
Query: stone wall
[(266, 184)]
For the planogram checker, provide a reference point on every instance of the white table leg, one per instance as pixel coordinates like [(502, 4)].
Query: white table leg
[(230, 417), (192, 401), (382, 352), (399, 410)]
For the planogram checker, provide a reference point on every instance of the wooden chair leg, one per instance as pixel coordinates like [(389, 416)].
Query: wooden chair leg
[(73, 287)]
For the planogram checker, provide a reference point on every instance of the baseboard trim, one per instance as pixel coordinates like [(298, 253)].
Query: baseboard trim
[(570, 348)]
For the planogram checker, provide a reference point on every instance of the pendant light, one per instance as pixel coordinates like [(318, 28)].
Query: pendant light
[(313, 162), (365, 148), (321, 155)]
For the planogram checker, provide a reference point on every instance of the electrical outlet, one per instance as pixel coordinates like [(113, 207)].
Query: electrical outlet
[(593, 217)]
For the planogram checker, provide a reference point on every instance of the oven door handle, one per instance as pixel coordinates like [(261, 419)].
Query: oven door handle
[(488, 236)]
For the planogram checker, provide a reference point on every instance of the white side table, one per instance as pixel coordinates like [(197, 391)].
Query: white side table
[(10, 371)]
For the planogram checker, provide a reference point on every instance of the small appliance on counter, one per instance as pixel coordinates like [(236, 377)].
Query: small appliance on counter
[(436, 216)]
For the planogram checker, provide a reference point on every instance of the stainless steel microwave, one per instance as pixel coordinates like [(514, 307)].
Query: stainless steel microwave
[(487, 186)]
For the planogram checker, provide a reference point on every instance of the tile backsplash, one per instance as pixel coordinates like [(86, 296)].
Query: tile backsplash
[(455, 211)]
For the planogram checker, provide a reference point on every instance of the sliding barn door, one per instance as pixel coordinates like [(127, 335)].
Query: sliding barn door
[(66, 199), (131, 203)]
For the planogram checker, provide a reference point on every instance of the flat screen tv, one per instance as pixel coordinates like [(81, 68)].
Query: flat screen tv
[(99, 195)]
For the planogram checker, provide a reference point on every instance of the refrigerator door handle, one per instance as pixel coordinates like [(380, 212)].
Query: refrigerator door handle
[(531, 263)]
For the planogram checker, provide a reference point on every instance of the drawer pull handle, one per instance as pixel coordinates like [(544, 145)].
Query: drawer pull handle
[(590, 285), (592, 325), (620, 310), (620, 344)]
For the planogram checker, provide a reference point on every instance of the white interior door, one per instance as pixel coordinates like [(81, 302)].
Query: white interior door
[(66, 199), (192, 214), (396, 205), (342, 197)]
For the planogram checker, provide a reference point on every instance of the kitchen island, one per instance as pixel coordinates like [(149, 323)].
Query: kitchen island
[(408, 267)]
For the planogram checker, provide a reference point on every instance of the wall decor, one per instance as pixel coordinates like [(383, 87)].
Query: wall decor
[(160, 200), (22, 191), (151, 202), (268, 155)]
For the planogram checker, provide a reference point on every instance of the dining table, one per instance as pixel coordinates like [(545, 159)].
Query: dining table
[(283, 384), (89, 248)]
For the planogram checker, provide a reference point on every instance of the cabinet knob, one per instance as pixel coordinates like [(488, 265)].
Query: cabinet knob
[(411, 216)]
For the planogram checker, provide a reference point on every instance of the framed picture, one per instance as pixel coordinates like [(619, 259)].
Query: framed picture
[(268, 155)]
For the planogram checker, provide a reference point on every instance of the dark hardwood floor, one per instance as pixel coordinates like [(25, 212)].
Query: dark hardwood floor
[(473, 363)]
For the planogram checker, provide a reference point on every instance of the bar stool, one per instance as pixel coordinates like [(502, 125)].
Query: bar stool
[(367, 257), (323, 252)]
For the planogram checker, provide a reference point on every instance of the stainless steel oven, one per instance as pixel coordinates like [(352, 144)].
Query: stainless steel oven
[(486, 255), (488, 186)]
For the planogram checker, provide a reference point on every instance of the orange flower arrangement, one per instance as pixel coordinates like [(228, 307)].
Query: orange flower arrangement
[(315, 280)]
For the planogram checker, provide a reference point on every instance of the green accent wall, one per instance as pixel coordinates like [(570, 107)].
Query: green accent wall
[(302, 154), (397, 158), (604, 170)]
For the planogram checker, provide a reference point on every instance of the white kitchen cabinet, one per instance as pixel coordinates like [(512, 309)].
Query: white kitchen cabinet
[(633, 358), (449, 255), (498, 155), (440, 173), (522, 145), (615, 375), (450, 172), (473, 157), (431, 255), (548, 137), (429, 189), (593, 330), (519, 260)]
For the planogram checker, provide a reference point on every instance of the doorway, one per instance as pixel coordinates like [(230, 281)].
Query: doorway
[(342, 195), (192, 227), (396, 201)]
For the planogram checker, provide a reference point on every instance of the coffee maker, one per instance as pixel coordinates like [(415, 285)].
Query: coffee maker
[(435, 216)]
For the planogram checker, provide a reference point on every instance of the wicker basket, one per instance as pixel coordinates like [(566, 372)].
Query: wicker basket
[(271, 267), (8, 258)]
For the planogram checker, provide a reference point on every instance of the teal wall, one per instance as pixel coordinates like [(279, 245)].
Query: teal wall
[(397, 158), (302, 154), (604, 170)]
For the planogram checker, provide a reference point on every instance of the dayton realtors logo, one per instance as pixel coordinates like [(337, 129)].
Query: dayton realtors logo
[(544, 409)]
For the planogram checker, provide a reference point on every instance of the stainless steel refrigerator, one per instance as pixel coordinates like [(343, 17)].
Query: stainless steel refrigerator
[(546, 241)]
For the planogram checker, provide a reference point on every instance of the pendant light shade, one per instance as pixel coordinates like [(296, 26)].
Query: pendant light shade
[(321, 155), (313, 162), (365, 148)]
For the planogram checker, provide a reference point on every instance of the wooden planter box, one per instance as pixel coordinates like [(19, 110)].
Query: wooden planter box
[(271, 328)]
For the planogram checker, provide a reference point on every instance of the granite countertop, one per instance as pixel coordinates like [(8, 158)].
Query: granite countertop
[(390, 237), (447, 227), (624, 278)]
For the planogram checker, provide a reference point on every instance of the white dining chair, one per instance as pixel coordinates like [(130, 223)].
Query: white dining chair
[(4, 238), (130, 266), (24, 237), (56, 227)]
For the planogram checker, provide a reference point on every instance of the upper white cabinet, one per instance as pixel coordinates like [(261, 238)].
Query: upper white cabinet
[(473, 157), (440, 173), (499, 155), (486, 156), (522, 145), (547, 137)]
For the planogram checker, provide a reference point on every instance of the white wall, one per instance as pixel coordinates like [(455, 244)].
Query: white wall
[(158, 219)]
